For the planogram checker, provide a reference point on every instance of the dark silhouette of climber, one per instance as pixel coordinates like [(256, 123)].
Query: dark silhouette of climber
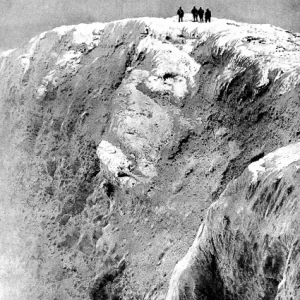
[(201, 14), (180, 14), (195, 14), (207, 16), (146, 31)]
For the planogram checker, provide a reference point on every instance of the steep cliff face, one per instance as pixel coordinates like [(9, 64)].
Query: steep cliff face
[(115, 142)]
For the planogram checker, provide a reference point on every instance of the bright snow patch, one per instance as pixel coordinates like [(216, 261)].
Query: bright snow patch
[(82, 33), (7, 52), (113, 157), (86, 33), (275, 161), (43, 88), (68, 58), (63, 30), (174, 69), (115, 161)]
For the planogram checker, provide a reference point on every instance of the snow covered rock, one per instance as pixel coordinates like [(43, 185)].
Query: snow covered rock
[(247, 247), (116, 140)]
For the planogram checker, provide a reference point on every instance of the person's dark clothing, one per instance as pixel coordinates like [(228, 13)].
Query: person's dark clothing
[(195, 14), (207, 16), (201, 14), (180, 14)]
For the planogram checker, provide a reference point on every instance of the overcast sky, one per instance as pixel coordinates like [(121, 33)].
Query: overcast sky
[(22, 19)]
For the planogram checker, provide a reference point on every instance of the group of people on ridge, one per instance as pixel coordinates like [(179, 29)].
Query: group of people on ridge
[(196, 12)]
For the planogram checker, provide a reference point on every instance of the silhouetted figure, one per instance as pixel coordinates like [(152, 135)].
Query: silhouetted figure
[(207, 15), (146, 31), (201, 14), (180, 14), (195, 14)]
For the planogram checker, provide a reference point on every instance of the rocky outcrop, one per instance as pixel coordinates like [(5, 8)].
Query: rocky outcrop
[(248, 245), (115, 141)]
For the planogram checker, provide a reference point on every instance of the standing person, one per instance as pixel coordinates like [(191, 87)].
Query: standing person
[(201, 14), (180, 14), (207, 15), (195, 14)]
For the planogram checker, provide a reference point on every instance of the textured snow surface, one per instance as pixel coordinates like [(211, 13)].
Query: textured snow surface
[(169, 60), (68, 58), (42, 89), (275, 161), (272, 47), (85, 33), (113, 157), (115, 160)]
